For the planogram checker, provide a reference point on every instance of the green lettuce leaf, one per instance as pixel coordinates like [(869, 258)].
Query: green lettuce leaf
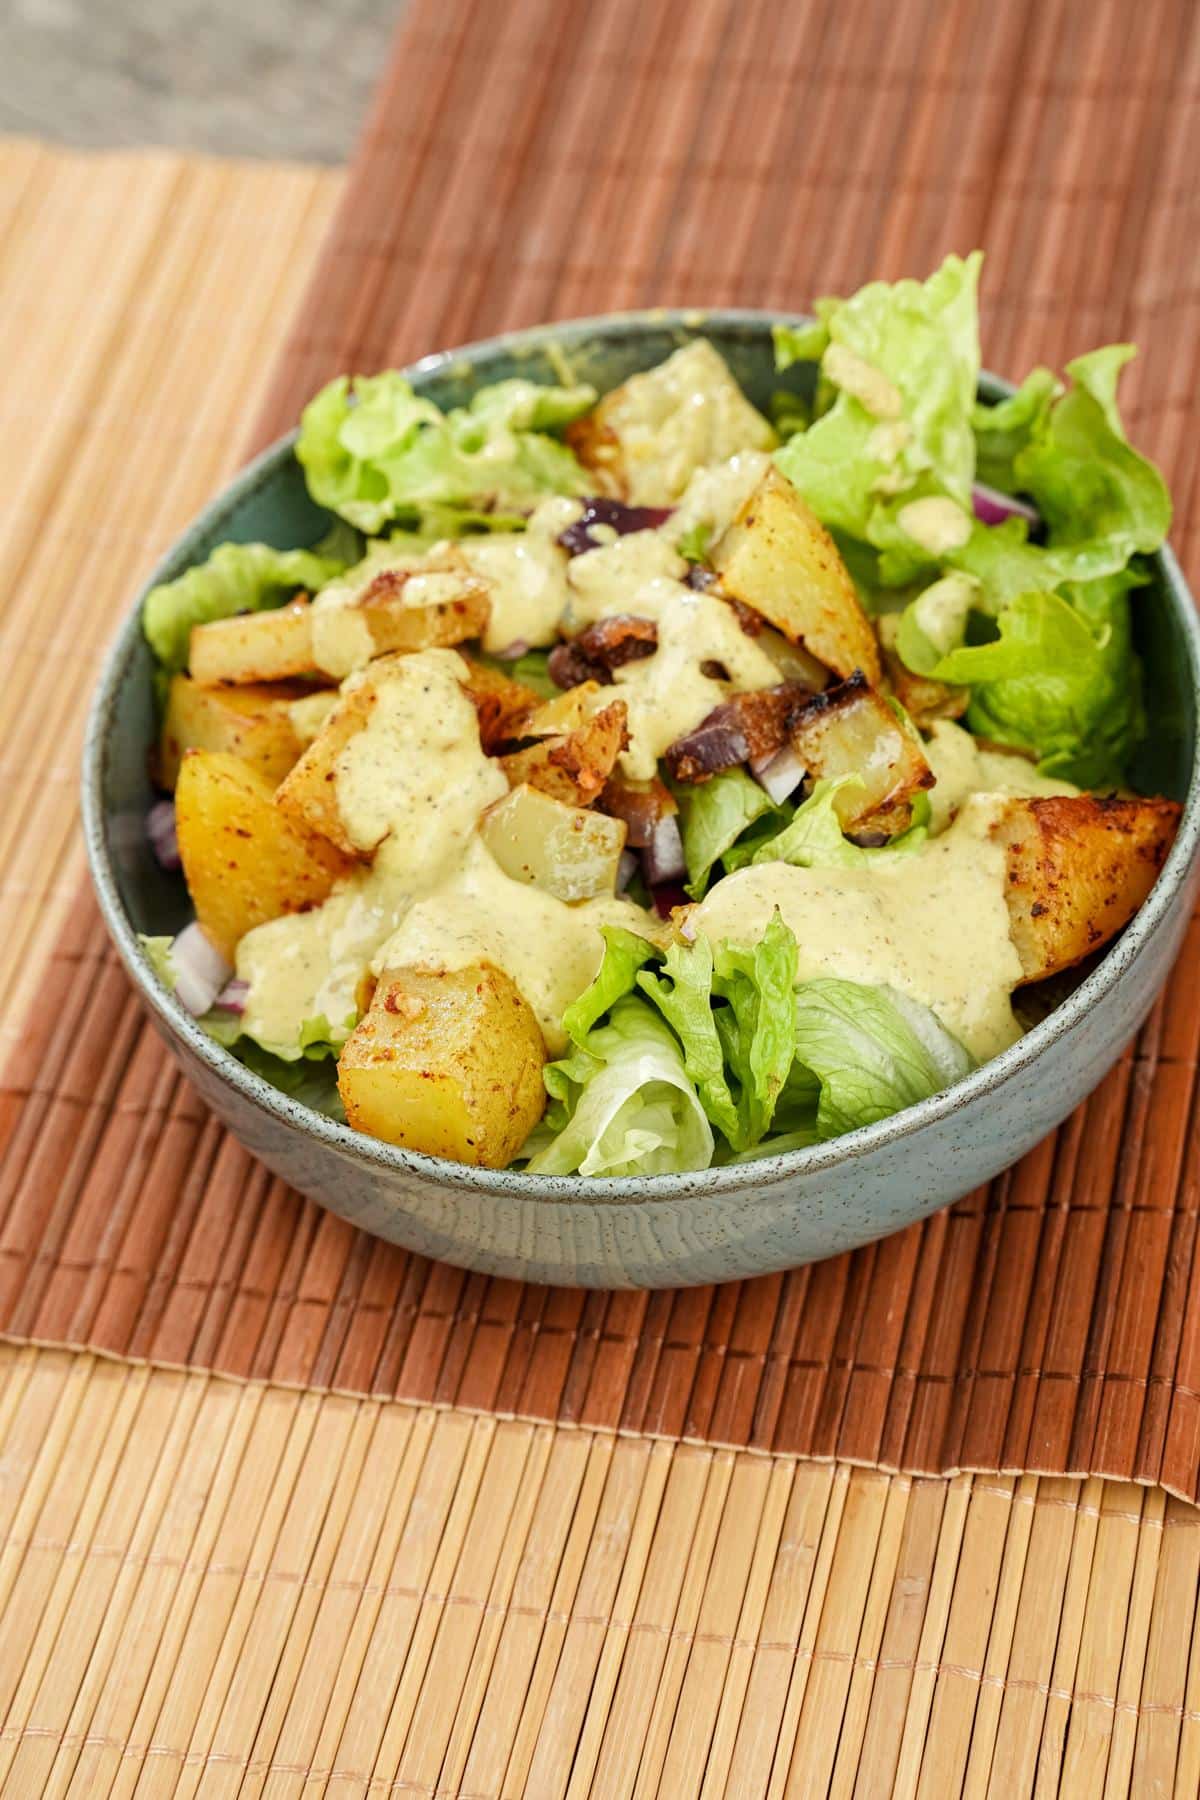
[(236, 578), (624, 954), (902, 361), (628, 1105), (757, 1026), (374, 452), (157, 951), (870, 1052), (1060, 679), (813, 837), (683, 994), (1003, 430), (714, 815), (1098, 496)]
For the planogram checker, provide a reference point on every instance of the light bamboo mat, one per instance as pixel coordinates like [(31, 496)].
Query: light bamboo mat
[(215, 1588)]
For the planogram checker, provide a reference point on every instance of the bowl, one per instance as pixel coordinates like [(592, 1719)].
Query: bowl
[(663, 1230)]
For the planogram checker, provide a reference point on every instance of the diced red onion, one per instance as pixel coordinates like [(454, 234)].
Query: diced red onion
[(160, 829), (662, 859), (781, 774), (232, 997), (992, 507), (511, 652), (617, 515), (200, 970), (626, 870), (667, 896)]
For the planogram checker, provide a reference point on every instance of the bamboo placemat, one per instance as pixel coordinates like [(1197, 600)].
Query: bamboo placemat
[(523, 161), (213, 1588)]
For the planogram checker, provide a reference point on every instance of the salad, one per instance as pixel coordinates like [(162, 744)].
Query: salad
[(628, 784)]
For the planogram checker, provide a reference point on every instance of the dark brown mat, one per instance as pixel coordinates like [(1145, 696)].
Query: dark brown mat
[(532, 160)]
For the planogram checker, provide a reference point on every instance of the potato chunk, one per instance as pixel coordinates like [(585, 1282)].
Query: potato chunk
[(575, 766), (851, 730), (568, 851), (244, 860), (779, 559), (448, 1062), (501, 704), (308, 793), (400, 610), (648, 437), (263, 646), (253, 722), (1078, 869)]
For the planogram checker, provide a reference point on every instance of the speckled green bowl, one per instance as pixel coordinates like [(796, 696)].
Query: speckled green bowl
[(665, 1230)]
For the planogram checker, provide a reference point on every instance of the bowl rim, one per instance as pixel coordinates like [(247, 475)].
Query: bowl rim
[(724, 1179)]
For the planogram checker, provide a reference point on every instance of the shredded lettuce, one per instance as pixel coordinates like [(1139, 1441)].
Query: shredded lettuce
[(375, 452), (236, 578), (813, 838), (157, 951), (627, 1105), (871, 1051), (715, 814)]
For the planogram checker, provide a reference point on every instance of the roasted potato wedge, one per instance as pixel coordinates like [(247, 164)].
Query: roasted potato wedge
[(565, 712), (646, 439), (244, 860), (502, 705), (1078, 869), (851, 730), (574, 767), (779, 559), (448, 1062), (400, 610), (308, 793), (263, 646), (253, 722), (568, 851)]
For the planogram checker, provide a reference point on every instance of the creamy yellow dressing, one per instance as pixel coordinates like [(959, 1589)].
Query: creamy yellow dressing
[(963, 767), (933, 924), (550, 949), (668, 693), (868, 385), (605, 580), (526, 574), (341, 637), (936, 523), (675, 419)]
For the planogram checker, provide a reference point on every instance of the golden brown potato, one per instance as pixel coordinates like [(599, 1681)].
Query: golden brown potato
[(501, 704), (575, 766), (448, 1062), (778, 559), (648, 437), (308, 793), (1078, 869), (564, 712), (243, 859), (923, 699), (253, 722), (400, 610), (851, 730), (263, 646), (568, 851)]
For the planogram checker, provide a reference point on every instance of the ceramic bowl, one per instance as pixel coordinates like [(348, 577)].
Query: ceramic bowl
[(667, 1230)]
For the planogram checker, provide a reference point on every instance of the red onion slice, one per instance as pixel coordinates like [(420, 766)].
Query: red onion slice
[(160, 829), (200, 970), (232, 997), (617, 515), (780, 775), (992, 507), (667, 897), (662, 859), (511, 652), (626, 870)]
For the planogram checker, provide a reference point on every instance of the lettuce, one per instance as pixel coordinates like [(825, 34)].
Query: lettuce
[(624, 954), (870, 1052), (1060, 679), (1004, 429), (626, 1104), (902, 364), (813, 838), (374, 451), (236, 578), (715, 814)]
